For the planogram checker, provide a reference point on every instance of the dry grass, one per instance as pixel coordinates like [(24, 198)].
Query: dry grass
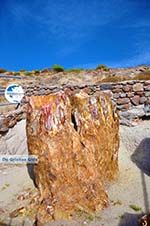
[(142, 76), (111, 78), (2, 99)]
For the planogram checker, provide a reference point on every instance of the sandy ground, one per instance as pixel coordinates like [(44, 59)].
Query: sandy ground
[(130, 191)]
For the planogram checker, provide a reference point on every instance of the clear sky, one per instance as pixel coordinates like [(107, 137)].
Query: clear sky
[(35, 34)]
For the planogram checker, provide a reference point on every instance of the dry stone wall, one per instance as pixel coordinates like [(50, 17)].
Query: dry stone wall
[(128, 96), (125, 94)]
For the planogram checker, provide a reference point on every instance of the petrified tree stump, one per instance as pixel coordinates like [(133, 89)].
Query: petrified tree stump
[(75, 137)]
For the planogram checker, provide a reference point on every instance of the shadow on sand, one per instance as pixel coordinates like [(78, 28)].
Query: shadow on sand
[(141, 157), (30, 168)]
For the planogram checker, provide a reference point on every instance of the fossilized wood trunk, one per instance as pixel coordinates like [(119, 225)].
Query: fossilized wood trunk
[(76, 140)]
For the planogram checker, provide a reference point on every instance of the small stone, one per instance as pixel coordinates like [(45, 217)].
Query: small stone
[(122, 95), (147, 88), (117, 90), (117, 87), (130, 94), (146, 83), (12, 123), (106, 87), (87, 90), (148, 100), (127, 88), (121, 101), (130, 82), (140, 93), (135, 100), (147, 94), (108, 93), (124, 107), (3, 124), (116, 95), (143, 100), (138, 87), (4, 129)]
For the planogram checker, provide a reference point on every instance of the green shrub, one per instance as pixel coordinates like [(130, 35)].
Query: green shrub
[(2, 70), (36, 71), (102, 67), (57, 68), (135, 208)]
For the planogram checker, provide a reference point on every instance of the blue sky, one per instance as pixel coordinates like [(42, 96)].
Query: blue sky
[(35, 34)]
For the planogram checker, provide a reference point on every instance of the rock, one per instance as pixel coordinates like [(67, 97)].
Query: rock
[(122, 95), (127, 88), (145, 220), (143, 100), (130, 82), (135, 100), (121, 101), (118, 86), (148, 100), (133, 113), (116, 95), (147, 94), (147, 107), (138, 87), (125, 122), (76, 140), (12, 122), (117, 90), (107, 92), (123, 107), (126, 106), (131, 94), (139, 93), (147, 83), (106, 87), (147, 88), (4, 124)]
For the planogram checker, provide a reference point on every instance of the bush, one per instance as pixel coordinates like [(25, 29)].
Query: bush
[(57, 68), (36, 71), (102, 67), (2, 70)]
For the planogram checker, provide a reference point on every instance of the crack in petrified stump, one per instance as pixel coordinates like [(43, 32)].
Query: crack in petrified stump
[(75, 137)]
